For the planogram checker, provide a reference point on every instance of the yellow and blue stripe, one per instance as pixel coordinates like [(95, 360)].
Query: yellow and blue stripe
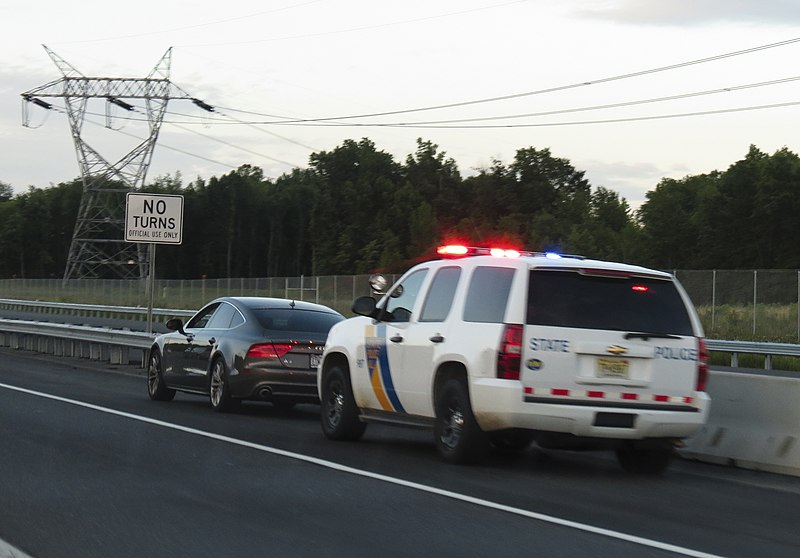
[(380, 374)]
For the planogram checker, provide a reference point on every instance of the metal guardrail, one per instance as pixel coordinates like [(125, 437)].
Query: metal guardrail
[(751, 347), (117, 346), (56, 338), (95, 310)]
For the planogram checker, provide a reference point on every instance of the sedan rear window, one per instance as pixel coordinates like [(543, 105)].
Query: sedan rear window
[(292, 319), (624, 303)]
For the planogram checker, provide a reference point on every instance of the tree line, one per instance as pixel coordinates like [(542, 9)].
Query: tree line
[(357, 210)]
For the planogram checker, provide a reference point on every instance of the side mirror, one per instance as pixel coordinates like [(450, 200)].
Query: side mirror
[(364, 306), (378, 283), (175, 324)]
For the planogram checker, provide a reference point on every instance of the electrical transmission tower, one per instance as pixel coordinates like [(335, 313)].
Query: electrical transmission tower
[(98, 248)]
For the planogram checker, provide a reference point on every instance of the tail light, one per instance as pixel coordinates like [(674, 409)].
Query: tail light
[(509, 355), (267, 351), (702, 364)]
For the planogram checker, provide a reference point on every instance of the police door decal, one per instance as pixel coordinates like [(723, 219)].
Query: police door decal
[(380, 374)]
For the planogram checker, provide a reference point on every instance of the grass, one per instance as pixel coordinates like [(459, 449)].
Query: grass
[(776, 323)]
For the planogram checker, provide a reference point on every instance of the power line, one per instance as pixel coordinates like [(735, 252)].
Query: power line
[(218, 140), (138, 110), (584, 122), (547, 90), (448, 124), (335, 121), (441, 124), (195, 155), (284, 138), (609, 105), (460, 123), (543, 113)]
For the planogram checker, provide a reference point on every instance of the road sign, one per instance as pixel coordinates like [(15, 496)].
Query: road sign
[(154, 218)]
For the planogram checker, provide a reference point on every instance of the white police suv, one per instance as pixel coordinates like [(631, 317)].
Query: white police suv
[(498, 347)]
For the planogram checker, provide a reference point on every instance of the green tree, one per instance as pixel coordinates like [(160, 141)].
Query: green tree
[(438, 181), (750, 219), (355, 184), (608, 231), (288, 210), (673, 218), (6, 192), (776, 213)]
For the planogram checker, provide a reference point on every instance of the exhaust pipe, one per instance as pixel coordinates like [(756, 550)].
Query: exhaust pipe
[(265, 393)]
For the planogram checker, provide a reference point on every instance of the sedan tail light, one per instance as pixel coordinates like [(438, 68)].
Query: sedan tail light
[(267, 351)]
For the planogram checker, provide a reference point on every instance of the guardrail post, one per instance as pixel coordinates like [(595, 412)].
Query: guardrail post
[(713, 299), (755, 297)]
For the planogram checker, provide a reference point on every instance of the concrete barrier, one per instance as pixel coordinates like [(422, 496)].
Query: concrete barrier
[(754, 423)]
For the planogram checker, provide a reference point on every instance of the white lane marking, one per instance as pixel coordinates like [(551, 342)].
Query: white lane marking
[(8, 551), (383, 478)]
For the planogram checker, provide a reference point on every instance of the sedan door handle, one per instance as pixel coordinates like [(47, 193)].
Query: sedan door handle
[(396, 339), (212, 341), (437, 338)]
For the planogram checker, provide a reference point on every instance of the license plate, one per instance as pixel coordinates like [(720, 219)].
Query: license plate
[(612, 367), (315, 360)]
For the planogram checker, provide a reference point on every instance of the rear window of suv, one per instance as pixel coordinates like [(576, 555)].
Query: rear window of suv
[(588, 301)]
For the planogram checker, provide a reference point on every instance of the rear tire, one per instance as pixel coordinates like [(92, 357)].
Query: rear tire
[(645, 459), (459, 438), (338, 410), (218, 390), (156, 388)]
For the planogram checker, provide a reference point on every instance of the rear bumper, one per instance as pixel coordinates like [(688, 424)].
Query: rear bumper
[(500, 404), (266, 384)]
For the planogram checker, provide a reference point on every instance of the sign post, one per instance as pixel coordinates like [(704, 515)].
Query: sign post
[(153, 219)]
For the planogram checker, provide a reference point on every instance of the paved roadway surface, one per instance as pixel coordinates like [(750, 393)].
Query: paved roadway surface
[(90, 467)]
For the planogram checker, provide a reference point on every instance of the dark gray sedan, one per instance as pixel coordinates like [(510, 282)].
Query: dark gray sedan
[(239, 348)]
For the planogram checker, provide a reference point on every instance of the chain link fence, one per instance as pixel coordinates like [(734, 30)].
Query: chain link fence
[(335, 291), (756, 305)]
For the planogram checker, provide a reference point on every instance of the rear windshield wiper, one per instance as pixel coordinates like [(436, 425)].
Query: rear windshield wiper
[(646, 336)]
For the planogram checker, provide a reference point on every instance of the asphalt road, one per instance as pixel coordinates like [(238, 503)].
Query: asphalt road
[(90, 467)]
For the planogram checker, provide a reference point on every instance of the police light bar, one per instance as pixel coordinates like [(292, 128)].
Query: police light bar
[(452, 250), (460, 251), (503, 253)]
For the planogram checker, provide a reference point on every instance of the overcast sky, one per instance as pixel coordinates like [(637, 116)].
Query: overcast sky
[(521, 74)]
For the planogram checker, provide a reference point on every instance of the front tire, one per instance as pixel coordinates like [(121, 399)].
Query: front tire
[(219, 392), (156, 388), (459, 438), (338, 410)]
